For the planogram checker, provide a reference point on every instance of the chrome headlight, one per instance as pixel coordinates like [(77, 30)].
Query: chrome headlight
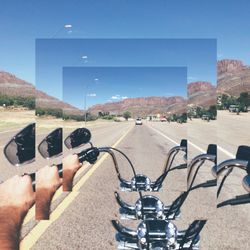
[(141, 234), (138, 208), (148, 184), (171, 234), (159, 209)]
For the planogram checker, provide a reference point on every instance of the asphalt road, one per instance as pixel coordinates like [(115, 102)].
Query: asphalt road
[(85, 224)]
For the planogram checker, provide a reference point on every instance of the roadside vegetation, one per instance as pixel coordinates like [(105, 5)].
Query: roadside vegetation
[(179, 118), (242, 103), (58, 113), (17, 101), (203, 113)]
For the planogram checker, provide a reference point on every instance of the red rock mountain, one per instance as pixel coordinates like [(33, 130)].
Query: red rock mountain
[(13, 86), (233, 77), (201, 94), (144, 106)]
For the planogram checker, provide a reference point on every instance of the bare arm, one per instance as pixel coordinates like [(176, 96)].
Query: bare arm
[(71, 165), (16, 197), (47, 182)]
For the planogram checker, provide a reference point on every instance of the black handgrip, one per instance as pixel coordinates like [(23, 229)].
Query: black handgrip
[(33, 176), (33, 179), (60, 170), (89, 155)]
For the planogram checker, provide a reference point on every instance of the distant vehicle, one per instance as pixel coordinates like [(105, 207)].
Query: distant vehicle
[(163, 119), (205, 117), (138, 121), (234, 108)]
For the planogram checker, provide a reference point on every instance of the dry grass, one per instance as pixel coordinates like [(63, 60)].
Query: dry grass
[(12, 119)]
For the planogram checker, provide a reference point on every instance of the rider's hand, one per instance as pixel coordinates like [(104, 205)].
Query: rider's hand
[(47, 182), (16, 197), (71, 165)]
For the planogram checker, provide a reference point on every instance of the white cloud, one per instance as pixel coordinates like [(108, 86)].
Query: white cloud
[(116, 97), (92, 94), (67, 26)]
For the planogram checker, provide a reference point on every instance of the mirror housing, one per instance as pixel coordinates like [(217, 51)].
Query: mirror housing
[(212, 149), (78, 138), (183, 143), (246, 183), (51, 145), (21, 148)]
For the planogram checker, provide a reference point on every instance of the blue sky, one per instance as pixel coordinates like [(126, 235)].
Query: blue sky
[(110, 84), (24, 21), (199, 55)]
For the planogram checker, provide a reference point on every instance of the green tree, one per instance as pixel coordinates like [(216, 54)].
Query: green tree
[(126, 115), (244, 101), (212, 112)]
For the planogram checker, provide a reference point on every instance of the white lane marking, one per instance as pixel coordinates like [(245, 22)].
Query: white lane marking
[(195, 146), (226, 152), (159, 132)]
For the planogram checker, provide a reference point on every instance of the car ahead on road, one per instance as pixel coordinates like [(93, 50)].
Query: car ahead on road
[(138, 121), (163, 119), (205, 118), (234, 108)]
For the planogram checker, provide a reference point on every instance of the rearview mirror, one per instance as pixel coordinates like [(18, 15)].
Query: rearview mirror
[(78, 138), (183, 143), (212, 149), (51, 145), (246, 183), (21, 148), (243, 153)]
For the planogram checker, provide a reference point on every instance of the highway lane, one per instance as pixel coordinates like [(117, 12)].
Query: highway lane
[(86, 222), (147, 148)]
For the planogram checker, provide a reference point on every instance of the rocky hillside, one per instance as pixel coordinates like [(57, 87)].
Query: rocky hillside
[(12, 86), (143, 106), (233, 77), (201, 94)]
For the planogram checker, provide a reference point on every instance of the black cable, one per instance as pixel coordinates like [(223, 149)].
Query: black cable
[(196, 172), (223, 180)]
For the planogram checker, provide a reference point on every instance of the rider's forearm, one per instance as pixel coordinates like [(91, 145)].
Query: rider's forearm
[(11, 219), (68, 177), (43, 201)]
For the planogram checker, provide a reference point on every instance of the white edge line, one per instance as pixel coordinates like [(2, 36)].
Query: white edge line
[(159, 132), (192, 144)]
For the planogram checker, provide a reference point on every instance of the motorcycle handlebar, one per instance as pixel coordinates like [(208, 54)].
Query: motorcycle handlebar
[(89, 154), (228, 164)]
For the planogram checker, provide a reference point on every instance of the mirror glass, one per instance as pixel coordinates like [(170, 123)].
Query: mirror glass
[(243, 153), (51, 145), (78, 138), (212, 149), (21, 148), (246, 183)]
